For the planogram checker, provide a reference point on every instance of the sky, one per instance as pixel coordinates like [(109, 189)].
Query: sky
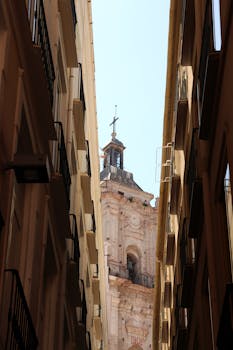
[(130, 46)]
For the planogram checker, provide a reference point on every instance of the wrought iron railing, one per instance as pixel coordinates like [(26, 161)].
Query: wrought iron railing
[(74, 17), (40, 37), (60, 159), (1, 222), (96, 271), (204, 56), (182, 84), (144, 280), (93, 219), (138, 278), (88, 158), (20, 331), (84, 306), (192, 171), (88, 340), (74, 234), (81, 91), (97, 311)]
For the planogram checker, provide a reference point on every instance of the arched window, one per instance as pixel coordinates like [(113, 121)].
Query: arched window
[(133, 263), (135, 347), (132, 267)]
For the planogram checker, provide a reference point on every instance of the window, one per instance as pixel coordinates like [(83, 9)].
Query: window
[(229, 211), (132, 267), (216, 25)]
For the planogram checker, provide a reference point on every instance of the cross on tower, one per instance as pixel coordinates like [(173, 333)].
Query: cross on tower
[(113, 123)]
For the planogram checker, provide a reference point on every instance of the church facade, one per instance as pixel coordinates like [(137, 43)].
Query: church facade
[(129, 233)]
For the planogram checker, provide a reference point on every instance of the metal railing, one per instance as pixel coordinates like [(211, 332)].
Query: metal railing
[(182, 84), (88, 158), (40, 37), (192, 171), (97, 311), (96, 271), (144, 280), (20, 331), (137, 278), (74, 17), (84, 306), (1, 222), (81, 90), (74, 234), (60, 159), (88, 340)]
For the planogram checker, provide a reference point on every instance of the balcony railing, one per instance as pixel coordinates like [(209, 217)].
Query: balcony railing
[(83, 307), (1, 222), (225, 332), (88, 340), (40, 37), (188, 25), (192, 171), (208, 73), (74, 235), (60, 159), (20, 333), (74, 17), (138, 278)]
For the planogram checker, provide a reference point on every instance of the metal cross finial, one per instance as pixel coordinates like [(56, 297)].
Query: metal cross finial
[(114, 122)]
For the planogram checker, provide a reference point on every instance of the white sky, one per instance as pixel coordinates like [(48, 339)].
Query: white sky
[(130, 44)]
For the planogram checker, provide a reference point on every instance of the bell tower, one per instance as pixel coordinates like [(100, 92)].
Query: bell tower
[(113, 151), (129, 234)]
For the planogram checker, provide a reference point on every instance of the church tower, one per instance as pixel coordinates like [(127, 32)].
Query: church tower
[(129, 230)]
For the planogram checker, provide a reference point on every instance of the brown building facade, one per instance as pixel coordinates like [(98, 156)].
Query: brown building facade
[(194, 291), (50, 222)]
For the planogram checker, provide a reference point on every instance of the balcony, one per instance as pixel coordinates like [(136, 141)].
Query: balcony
[(88, 340), (20, 329), (188, 32), (97, 325), (85, 168), (72, 283), (80, 327), (40, 38), (191, 168), (142, 279), (208, 75), (225, 332), (196, 209), (182, 328), (182, 108), (79, 123), (92, 250), (69, 20), (74, 249), (175, 194), (167, 294), (60, 161), (96, 285), (31, 168), (60, 184), (187, 258), (170, 249), (73, 288), (1, 222), (165, 332)]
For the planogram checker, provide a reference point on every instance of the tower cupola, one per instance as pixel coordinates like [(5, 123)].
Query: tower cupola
[(113, 151)]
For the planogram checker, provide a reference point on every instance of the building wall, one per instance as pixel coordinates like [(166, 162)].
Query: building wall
[(47, 86), (129, 229), (192, 308)]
